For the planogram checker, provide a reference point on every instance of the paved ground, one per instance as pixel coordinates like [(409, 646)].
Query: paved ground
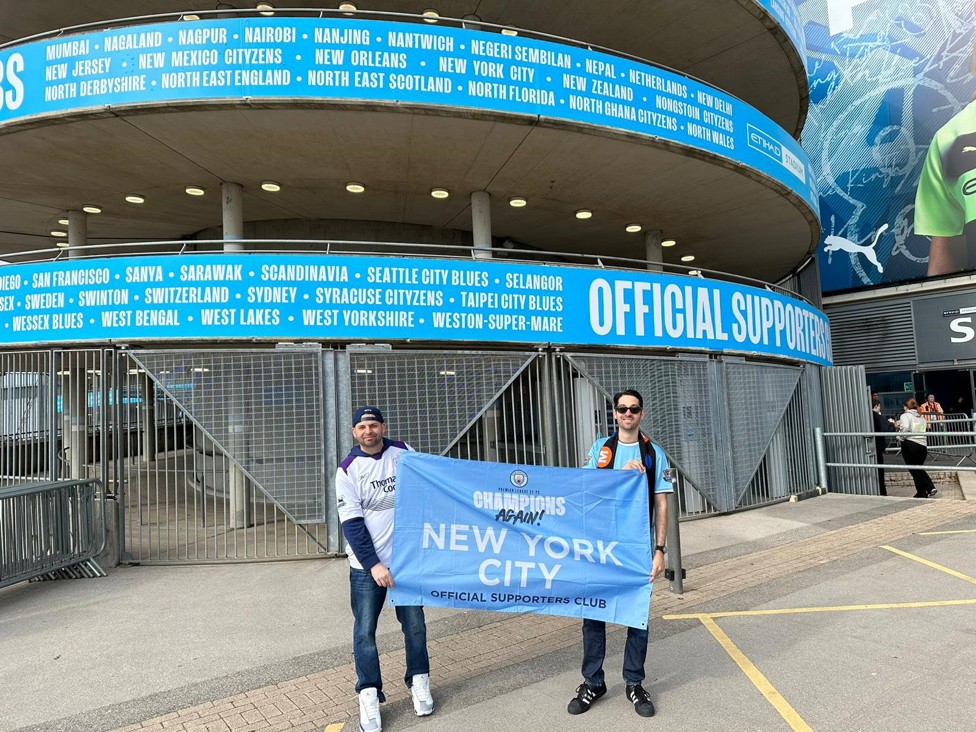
[(845, 614)]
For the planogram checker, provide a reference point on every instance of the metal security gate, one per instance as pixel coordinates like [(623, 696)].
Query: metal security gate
[(229, 454), (54, 407), (224, 457), (734, 430), (470, 405), (737, 432), (847, 393)]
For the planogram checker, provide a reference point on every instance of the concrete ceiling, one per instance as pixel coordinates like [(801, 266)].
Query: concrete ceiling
[(732, 222), (736, 224)]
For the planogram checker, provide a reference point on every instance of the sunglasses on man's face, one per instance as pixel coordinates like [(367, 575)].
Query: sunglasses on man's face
[(633, 410)]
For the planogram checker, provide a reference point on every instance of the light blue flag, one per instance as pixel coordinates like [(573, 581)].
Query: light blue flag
[(491, 536)]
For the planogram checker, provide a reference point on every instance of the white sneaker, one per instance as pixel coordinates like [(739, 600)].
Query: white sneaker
[(369, 711), (423, 702)]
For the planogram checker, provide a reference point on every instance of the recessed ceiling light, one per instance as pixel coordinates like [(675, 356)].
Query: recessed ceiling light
[(135, 198), (687, 257), (64, 222), (447, 372), (270, 186), (91, 208), (62, 244), (201, 370), (430, 15), (584, 213), (265, 8), (633, 228), (509, 32), (348, 6), (668, 243), (354, 187), (694, 272), (440, 192), (58, 232), (191, 16), (194, 190), (517, 202), (364, 371)]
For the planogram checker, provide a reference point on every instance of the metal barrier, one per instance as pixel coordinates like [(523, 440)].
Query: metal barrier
[(825, 450), (50, 530), (952, 435)]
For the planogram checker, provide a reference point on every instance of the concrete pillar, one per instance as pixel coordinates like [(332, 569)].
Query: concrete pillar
[(237, 493), (77, 232), (232, 198), (148, 419), (74, 413), (653, 252), (481, 224)]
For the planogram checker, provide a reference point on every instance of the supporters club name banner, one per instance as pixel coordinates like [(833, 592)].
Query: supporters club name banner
[(489, 536), (381, 61), (278, 296)]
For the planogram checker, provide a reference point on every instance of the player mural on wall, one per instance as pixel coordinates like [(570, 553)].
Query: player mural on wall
[(885, 77), (839, 243)]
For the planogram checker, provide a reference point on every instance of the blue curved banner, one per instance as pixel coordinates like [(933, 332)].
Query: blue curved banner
[(491, 536), (325, 297), (380, 61)]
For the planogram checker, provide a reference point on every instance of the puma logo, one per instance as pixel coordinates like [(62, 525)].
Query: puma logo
[(839, 243)]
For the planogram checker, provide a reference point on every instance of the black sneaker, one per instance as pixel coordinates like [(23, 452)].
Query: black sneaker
[(933, 492), (641, 701), (585, 696)]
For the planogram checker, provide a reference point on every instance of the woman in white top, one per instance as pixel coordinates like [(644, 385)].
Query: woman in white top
[(913, 447)]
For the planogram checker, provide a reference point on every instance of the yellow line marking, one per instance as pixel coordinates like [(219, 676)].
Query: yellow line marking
[(756, 677), (834, 609), (936, 533), (933, 565), (335, 727)]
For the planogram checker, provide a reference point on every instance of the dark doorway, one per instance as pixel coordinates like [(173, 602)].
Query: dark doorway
[(953, 389)]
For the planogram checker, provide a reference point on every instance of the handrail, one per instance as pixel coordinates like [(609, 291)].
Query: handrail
[(368, 248), (47, 527)]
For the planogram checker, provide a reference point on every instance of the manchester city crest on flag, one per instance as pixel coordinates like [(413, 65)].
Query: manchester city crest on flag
[(519, 478)]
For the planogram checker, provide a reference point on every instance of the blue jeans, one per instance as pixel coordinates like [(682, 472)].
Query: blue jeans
[(595, 650), (367, 600)]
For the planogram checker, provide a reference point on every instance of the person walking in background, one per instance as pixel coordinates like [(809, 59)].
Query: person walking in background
[(913, 447), (366, 490), (627, 449), (880, 443)]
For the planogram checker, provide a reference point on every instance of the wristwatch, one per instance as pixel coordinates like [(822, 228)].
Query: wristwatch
[(661, 548)]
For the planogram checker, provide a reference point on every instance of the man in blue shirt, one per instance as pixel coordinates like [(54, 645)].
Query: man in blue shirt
[(627, 449)]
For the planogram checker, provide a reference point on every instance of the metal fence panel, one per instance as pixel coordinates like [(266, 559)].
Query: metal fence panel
[(848, 409), (445, 402), (677, 393), (758, 395), (225, 459), (47, 527), (263, 409), (735, 431)]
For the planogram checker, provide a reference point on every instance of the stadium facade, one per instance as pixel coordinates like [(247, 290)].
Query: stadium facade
[(224, 227)]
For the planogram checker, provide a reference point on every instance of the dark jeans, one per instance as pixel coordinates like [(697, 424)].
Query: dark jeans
[(367, 600), (595, 650), (882, 487), (915, 454)]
